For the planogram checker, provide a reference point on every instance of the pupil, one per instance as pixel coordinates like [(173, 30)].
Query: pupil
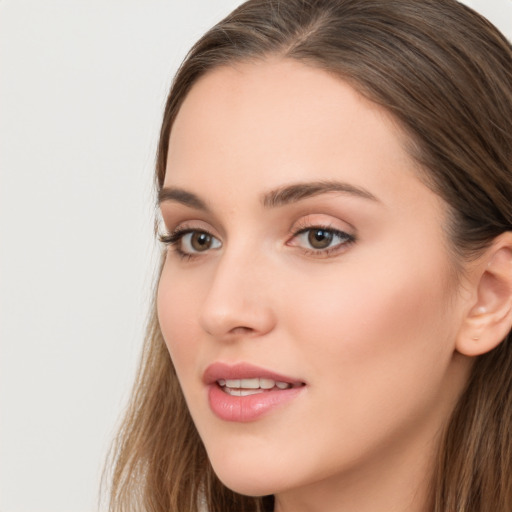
[(201, 241), (319, 238)]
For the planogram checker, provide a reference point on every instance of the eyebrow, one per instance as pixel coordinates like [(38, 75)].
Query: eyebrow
[(296, 192), (181, 196), (273, 198)]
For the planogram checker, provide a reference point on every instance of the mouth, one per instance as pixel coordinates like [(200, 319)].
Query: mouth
[(254, 386), (244, 393), (247, 377)]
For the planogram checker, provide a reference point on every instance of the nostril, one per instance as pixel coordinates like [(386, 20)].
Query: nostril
[(241, 330)]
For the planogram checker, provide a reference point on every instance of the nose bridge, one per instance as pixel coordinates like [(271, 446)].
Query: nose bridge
[(238, 299)]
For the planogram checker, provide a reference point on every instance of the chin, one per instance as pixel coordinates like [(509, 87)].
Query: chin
[(259, 481)]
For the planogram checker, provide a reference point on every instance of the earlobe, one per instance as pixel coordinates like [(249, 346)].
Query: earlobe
[(489, 319)]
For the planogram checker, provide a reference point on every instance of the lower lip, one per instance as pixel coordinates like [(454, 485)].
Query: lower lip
[(248, 408)]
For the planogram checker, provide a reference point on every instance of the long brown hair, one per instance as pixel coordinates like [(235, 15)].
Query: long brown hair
[(445, 74)]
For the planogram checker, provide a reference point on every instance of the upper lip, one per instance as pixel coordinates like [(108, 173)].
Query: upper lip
[(217, 371)]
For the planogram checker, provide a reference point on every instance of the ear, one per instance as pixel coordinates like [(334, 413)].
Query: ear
[(489, 318)]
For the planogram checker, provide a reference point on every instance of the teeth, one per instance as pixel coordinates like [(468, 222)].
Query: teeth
[(250, 383), (242, 392), (250, 386), (267, 383)]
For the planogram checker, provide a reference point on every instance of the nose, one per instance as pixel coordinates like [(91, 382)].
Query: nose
[(239, 300)]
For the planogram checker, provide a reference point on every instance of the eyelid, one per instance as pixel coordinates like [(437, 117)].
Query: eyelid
[(322, 221), (180, 225), (311, 223), (174, 237), (336, 232)]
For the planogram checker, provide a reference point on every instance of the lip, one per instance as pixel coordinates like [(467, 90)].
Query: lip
[(217, 371), (244, 409)]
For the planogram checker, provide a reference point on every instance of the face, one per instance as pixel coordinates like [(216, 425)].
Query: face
[(308, 298)]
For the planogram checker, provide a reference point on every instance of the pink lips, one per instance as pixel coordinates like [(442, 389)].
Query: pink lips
[(246, 408)]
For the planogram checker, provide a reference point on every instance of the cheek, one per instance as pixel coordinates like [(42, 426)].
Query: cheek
[(398, 296), (366, 317), (377, 351), (386, 330), (175, 303)]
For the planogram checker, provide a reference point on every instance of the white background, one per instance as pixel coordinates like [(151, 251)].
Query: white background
[(82, 88)]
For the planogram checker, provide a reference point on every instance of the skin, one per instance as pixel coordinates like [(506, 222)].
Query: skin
[(369, 326)]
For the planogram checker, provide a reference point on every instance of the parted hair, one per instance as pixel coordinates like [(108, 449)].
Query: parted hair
[(445, 74)]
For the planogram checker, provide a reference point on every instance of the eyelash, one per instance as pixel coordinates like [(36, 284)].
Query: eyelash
[(346, 240), (174, 238)]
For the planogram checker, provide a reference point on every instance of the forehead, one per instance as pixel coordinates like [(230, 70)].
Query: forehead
[(260, 125), (276, 114)]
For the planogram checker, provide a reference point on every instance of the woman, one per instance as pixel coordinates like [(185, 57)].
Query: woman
[(335, 298)]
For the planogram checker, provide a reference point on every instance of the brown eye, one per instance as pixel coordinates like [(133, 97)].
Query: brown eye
[(320, 238), (200, 241), (321, 242), (193, 242)]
